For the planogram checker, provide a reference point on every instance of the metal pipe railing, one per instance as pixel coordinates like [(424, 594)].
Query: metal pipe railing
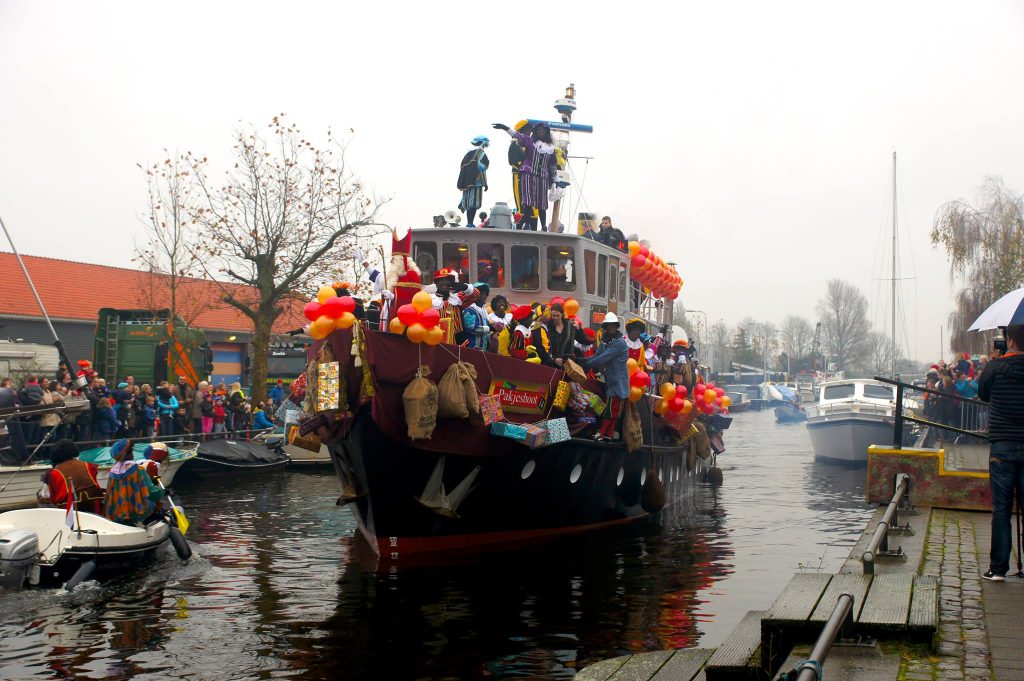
[(839, 622), (977, 411), (879, 544)]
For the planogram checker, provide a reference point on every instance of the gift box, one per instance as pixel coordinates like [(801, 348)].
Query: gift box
[(512, 431), (594, 401), (574, 371), (558, 430), (536, 436), (562, 394), (490, 409)]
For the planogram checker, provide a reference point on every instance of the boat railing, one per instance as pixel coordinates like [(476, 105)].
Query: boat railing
[(942, 412), (838, 626), (879, 544), (188, 440)]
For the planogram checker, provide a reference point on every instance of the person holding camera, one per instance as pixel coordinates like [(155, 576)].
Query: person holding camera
[(1002, 386)]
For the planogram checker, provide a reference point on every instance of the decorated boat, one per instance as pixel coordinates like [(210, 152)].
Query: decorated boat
[(522, 463)]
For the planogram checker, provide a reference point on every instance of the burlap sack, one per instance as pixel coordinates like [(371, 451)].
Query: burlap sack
[(472, 397), (451, 396), (420, 401), (703, 443), (632, 428)]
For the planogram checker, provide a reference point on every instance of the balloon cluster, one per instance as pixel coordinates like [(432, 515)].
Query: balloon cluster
[(673, 399), (652, 272), (638, 380), (419, 320), (329, 312), (571, 307), (710, 396)]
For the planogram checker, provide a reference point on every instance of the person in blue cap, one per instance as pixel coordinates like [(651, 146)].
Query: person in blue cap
[(473, 178)]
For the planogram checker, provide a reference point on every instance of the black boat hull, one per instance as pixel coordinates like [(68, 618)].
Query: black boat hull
[(524, 495)]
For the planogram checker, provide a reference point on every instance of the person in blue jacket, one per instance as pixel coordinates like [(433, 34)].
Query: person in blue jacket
[(166, 406), (611, 361), (260, 420)]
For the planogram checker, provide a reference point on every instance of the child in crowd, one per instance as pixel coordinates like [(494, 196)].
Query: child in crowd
[(219, 414)]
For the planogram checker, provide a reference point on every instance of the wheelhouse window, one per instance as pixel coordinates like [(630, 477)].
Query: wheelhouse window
[(525, 268), (623, 282), (839, 392), (424, 253), (589, 264), (561, 268), (878, 392), (455, 256), (490, 264), (602, 275), (613, 278)]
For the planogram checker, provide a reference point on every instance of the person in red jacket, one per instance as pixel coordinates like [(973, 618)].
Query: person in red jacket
[(71, 473)]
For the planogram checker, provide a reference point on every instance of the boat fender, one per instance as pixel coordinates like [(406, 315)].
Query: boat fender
[(715, 476), (652, 498), (180, 544), (83, 573)]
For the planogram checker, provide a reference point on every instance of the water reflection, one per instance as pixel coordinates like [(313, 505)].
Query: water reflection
[(283, 586)]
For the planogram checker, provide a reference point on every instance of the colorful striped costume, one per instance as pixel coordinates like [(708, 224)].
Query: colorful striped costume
[(131, 495)]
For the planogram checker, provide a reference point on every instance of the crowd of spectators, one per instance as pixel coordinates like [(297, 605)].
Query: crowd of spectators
[(958, 379)]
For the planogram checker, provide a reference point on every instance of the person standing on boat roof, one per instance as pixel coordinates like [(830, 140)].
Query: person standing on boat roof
[(611, 360), (536, 174), (1002, 386), (69, 472), (474, 319), (611, 236), (132, 496), (516, 156), (473, 178)]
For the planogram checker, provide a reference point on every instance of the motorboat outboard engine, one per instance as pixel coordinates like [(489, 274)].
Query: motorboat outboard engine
[(19, 550)]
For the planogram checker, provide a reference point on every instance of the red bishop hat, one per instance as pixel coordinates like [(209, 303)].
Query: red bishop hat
[(401, 246), (443, 273)]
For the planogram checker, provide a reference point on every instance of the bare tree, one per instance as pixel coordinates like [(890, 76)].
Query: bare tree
[(878, 361), (844, 324), (719, 339), (282, 222), (985, 245), (797, 335)]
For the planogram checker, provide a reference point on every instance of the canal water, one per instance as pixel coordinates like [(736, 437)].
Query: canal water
[(282, 587)]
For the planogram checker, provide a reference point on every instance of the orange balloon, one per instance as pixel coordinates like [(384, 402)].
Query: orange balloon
[(632, 366), (661, 407), (634, 248), (668, 391), (571, 307), (323, 326), (417, 333), (345, 320), (635, 394), (324, 293), (315, 333), (434, 336), (422, 301), (709, 396), (397, 326), (687, 406)]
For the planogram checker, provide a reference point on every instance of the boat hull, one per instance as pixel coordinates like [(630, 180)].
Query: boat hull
[(846, 437), (521, 496)]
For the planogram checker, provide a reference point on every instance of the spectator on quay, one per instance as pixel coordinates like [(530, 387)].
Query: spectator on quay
[(965, 386), (107, 425), (277, 392), (147, 416), (166, 407), (121, 399), (30, 395), (219, 416), (207, 417), (196, 408), (260, 420), (181, 423), (185, 393), (51, 421), (238, 410), (9, 400), (1002, 386)]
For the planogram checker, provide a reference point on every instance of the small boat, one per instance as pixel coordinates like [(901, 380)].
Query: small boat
[(790, 412), (38, 548), (297, 456), (19, 484), (852, 414), (222, 455)]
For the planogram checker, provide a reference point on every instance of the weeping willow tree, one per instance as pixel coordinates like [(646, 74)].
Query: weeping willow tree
[(985, 245)]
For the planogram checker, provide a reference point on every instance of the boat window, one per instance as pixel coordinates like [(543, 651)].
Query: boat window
[(602, 275), (455, 256), (525, 271), (589, 260), (490, 264), (878, 392), (623, 278), (613, 278), (838, 392), (424, 253), (561, 268)]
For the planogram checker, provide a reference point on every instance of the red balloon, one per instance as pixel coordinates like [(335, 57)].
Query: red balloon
[(312, 310), (718, 401), (640, 379), (720, 392), (710, 385), (348, 304), (408, 315), (638, 261), (332, 307), (698, 389), (430, 318), (558, 300), (676, 404), (681, 391)]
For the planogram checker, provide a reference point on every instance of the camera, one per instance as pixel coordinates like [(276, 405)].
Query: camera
[(999, 342)]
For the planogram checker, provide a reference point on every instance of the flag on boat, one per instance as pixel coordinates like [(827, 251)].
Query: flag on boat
[(69, 509)]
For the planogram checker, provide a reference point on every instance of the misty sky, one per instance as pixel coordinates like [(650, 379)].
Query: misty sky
[(751, 142)]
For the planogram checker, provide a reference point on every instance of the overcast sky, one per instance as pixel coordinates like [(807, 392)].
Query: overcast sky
[(750, 142)]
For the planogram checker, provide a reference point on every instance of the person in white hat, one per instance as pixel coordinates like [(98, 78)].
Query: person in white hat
[(610, 360)]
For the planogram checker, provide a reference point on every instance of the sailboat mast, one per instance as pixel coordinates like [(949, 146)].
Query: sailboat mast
[(893, 359)]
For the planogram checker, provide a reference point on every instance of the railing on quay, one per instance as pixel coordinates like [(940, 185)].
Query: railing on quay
[(970, 412), (879, 544), (840, 622)]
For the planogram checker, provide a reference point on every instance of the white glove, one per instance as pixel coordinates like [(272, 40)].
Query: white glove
[(388, 295)]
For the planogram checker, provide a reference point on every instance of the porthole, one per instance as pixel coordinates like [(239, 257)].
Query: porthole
[(528, 469), (577, 471), (619, 477), (643, 476)]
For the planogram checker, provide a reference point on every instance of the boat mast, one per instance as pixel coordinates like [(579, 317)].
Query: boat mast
[(893, 264)]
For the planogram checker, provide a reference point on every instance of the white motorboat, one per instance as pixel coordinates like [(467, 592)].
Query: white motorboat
[(19, 484), (38, 548), (851, 415)]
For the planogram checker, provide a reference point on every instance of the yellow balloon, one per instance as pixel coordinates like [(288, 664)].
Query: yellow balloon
[(324, 293), (422, 301), (632, 366), (687, 406), (416, 332), (346, 320), (434, 336), (397, 326), (315, 333), (709, 396), (635, 393), (726, 402), (323, 326), (634, 248), (668, 391)]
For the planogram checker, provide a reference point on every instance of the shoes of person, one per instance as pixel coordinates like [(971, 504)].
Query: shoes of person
[(993, 577)]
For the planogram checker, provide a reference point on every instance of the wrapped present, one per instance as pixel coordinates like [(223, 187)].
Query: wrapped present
[(558, 430), (512, 431), (562, 394), (574, 371), (536, 436), (310, 442), (594, 401), (490, 409), (577, 402)]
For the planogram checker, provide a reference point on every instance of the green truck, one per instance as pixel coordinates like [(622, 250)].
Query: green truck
[(142, 344)]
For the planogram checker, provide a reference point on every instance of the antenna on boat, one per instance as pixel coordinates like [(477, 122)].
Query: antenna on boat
[(80, 381)]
